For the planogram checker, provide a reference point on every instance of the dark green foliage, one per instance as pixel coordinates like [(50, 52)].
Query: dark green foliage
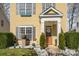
[(61, 40), (42, 41), (7, 39), (72, 40), (3, 42)]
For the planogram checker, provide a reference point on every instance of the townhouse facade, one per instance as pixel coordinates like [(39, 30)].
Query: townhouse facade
[(4, 23), (29, 20)]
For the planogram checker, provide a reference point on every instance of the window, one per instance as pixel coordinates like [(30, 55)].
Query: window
[(25, 32), (54, 30), (47, 5), (25, 9), (2, 23), (22, 9)]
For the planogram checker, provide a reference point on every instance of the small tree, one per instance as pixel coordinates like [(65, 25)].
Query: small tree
[(61, 40), (42, 41)]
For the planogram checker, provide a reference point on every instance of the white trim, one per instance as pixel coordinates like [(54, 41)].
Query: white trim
[(43, 14), (18, 32), (25, 26), (58, 26), (32, 9), (25, 31), (17, 9), (58, 31), (51, 19), (25, 8), (49, 15)]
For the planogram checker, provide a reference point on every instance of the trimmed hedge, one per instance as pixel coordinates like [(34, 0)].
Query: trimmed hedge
[(42, 41), (3, 42), (62, 40), (71, 40), (6, 40)]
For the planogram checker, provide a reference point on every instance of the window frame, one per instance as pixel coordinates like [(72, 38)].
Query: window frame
[(25, 27), (32, 9), (45, 5)]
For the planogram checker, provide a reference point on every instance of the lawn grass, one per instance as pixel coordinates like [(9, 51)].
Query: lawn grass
[(17, 52)]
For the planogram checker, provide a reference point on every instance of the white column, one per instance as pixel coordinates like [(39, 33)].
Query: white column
[(58, 31), (42, 26)]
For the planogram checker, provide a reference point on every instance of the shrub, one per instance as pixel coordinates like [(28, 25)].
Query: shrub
[(61, 40), (42, 41), (7, 39), (3, 42), (72, 40), (10, 39)]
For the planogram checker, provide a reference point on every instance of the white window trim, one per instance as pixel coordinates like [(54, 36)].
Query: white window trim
[(25, 9), (25, 30), (32, 9), (17, 9)]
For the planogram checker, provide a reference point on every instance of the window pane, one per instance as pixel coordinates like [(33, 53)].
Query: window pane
[(22, 33), (28, 8), (29, 33), (47, 5), (22, 30), (22, 5), (25, 33), (22, 8)]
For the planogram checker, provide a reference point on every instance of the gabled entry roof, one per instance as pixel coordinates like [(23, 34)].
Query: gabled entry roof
[(51, 12)]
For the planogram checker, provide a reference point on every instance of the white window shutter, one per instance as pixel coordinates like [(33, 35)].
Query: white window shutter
[(34, 8), (17, 8), (34, 33), (18, 32)]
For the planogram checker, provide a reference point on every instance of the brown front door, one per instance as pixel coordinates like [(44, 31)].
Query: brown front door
[(48, 35)]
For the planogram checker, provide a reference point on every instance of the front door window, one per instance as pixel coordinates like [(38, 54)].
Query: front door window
[(48, 30)]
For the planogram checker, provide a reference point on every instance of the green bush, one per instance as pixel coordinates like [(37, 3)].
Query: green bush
[(10, 39), (61, 40), (72, 40), (42, 41), (3, 42), (7, 39)]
